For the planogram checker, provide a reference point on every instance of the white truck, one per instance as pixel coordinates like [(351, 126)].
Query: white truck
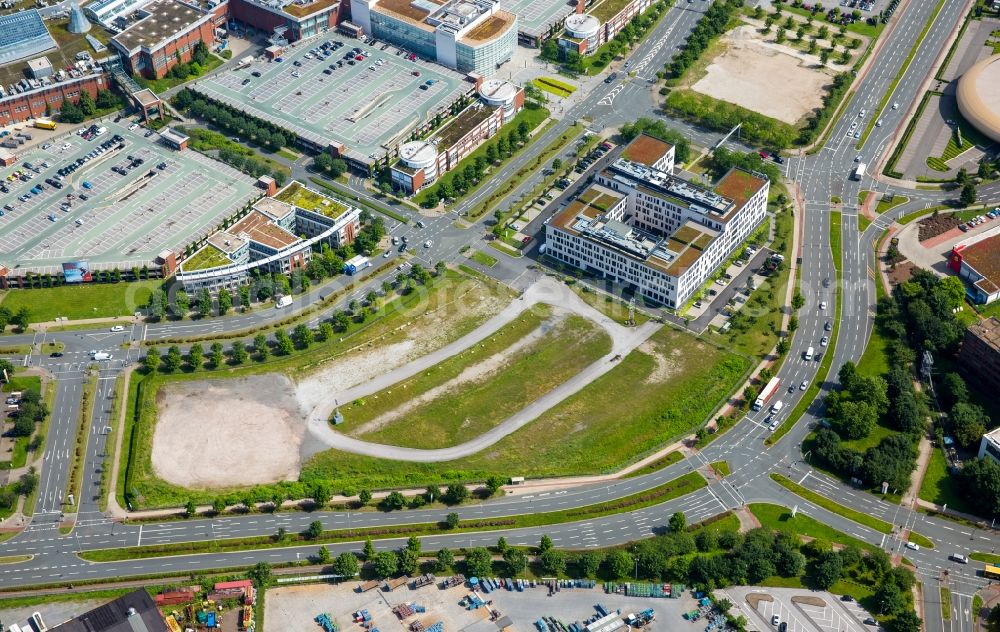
[(859, 171), (100, 356), (283, 301), (809, 353), (776, 408)]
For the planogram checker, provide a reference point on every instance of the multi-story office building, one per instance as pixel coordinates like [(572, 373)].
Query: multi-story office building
[(585, 32), (164, 35), (293, 19), (466, 35), (641, 226), (277, 235), (422, 161)]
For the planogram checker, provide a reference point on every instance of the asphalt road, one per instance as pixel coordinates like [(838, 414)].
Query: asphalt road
[(817, 177)]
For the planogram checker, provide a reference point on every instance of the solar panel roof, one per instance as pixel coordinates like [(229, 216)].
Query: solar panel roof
[(23, 34)]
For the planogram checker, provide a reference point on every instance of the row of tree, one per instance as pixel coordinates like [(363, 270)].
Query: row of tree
[(711, 25), (85, 106), (231, 120)]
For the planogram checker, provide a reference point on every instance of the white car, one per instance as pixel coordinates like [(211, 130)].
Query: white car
[(824, 341), (822, 304), (912, 546), (387, 254), (895, 106), (803, 385), (117, 328), (878, 123), (427, 244)]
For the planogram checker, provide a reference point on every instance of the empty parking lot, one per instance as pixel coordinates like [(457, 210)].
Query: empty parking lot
[(364, 104), (156, 199), (801, 610)]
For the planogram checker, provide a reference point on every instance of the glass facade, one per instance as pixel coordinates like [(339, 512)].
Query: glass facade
[(485, 57), (412, 37)]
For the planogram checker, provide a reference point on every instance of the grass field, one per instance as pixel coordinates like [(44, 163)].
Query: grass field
[(780, 519), (91, 300), (674, 383), (940, 487), (554, 86), (885, 205), (669, 459), (471, 408), (721, 468), (817, 499), (483, 259), (19, 456)]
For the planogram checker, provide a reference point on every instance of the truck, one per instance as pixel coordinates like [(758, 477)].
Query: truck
[(767, 393), (100, 356), (44, 123), (245, 61), (776, 408), (283, 301), (809, 353), (356, 264), (859, 171)]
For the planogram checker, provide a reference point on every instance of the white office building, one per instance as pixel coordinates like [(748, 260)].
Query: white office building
[(641, 226)]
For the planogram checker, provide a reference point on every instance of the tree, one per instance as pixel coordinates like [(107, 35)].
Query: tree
[(890, 598), (452, 520), (173, 359), (620, 564), (494, 483), (190, 509), (21, 319), (678, 522), (314, 530), (204, 302), (218, 506), (444, 560), (553, 561), (260, 574), (385, 563), (240, 354), (369, 550), (557, 164), (409, 561), (152, 360), (826, 570), (588, 563), (217, 358), (502, 545), (69, 112), (478, 562), (320, 492), (196, 356), (516, 561), (303, 335), (323, 555), (364, 497), (413, 544), (346, 565), (456, 492), (993, 619), (968, 196), (394, 501), (285, 344), (545, 544), (261, 347), (907, 621), (969, 423), (106, 99), (225, 301)]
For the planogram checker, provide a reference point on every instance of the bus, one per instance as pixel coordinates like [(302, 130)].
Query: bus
[(991, 572), (44, 123)]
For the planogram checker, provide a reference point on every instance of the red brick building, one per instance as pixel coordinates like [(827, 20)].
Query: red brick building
[(166, 30), (16, 108)]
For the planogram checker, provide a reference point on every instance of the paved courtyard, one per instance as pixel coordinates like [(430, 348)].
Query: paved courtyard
[(803, 610), (125, 220), (366, 105)]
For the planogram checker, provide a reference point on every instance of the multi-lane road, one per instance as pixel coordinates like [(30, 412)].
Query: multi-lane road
[(815, 178)]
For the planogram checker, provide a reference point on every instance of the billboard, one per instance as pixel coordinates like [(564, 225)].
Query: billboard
[(77, 272)]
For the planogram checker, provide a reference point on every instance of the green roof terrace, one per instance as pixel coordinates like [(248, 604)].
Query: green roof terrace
[(298, 195), (207, 257)]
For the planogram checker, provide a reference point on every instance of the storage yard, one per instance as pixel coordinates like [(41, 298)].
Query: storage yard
[(363, 100), (127, 198)]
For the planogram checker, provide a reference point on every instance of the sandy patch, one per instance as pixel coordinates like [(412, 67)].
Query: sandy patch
[(764, 77), (668, 362), (223, 433)]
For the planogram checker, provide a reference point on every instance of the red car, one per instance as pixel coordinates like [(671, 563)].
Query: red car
[(359, 58), (413, 57)]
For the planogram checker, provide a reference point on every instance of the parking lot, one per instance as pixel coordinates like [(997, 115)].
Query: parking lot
[(535, 17), (293, 608), (331, 96), (800, 610), (128, 199)]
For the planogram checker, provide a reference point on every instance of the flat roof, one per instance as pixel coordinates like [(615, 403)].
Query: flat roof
[(646, 149), (295, 194), (366, 112), (984, 256), (458, 127), (305, 10), (739, 186), (987, 330), (166, 17), (23, 34), (275, 208), (260, 228), (608, 9), (408, 10), (148, 97), (209, 256), (669, 187), (227, 242), (534, 17), (491, 27)]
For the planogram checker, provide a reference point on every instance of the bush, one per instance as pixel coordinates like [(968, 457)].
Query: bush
[(723, 116)]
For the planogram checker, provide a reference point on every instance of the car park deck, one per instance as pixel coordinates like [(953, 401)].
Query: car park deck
[(133, 210), (366, 106), (534, 18)]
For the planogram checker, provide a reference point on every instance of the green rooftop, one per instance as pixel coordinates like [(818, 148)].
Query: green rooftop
[(608, 9), (207, 257), (301, 197)]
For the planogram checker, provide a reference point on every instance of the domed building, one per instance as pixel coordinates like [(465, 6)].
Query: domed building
[(979, 96)]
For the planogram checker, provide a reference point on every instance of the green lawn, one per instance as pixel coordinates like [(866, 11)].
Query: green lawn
[(885, 205), (817, 499), (669, 459), (207, 257), (456, 413), (162, 85), (88, 300), (721, 468), (674, 385), (940, 487), (483, 259), (780, 519), (554, 86), (613, 308), (875, 437)]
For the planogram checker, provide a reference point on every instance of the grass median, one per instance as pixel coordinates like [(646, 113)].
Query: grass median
[(822, 501), (676, 488), (75, 480)]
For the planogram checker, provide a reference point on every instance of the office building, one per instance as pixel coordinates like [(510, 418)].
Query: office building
[(287, 20), (641, 226), (164, 35), (989, 445), (585, 32), (465, 35)]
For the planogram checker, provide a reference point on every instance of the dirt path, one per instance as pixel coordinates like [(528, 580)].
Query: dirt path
[(545, 290)]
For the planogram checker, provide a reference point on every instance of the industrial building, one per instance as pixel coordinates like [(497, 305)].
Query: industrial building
[(422, 161), (164, 35), (642, 227), (977, 262), (133, 612), (277, 235), (465, 35), (23, 35), (31, 96)]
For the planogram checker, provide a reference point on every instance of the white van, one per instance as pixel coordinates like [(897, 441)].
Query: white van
[(100, 356), (283, 301), (809, 353), (776, 407)]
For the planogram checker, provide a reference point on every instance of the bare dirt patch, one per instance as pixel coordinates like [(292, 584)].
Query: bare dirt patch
[(223, 433), (935, 225), (744, 74), (809, 601), (756, 598), (668, 362)]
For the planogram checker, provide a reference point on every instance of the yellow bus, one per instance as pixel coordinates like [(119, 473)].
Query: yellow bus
[(991, 572), (44, 123)]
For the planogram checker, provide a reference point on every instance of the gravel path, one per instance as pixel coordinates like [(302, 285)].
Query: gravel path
[(545, 290)]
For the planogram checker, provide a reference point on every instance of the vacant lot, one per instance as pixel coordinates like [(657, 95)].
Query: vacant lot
[(486, 392), (90, 300), (666, 388), (746, 74)]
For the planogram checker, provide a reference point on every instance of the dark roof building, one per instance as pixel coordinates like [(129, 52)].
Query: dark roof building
[(134, 612)]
